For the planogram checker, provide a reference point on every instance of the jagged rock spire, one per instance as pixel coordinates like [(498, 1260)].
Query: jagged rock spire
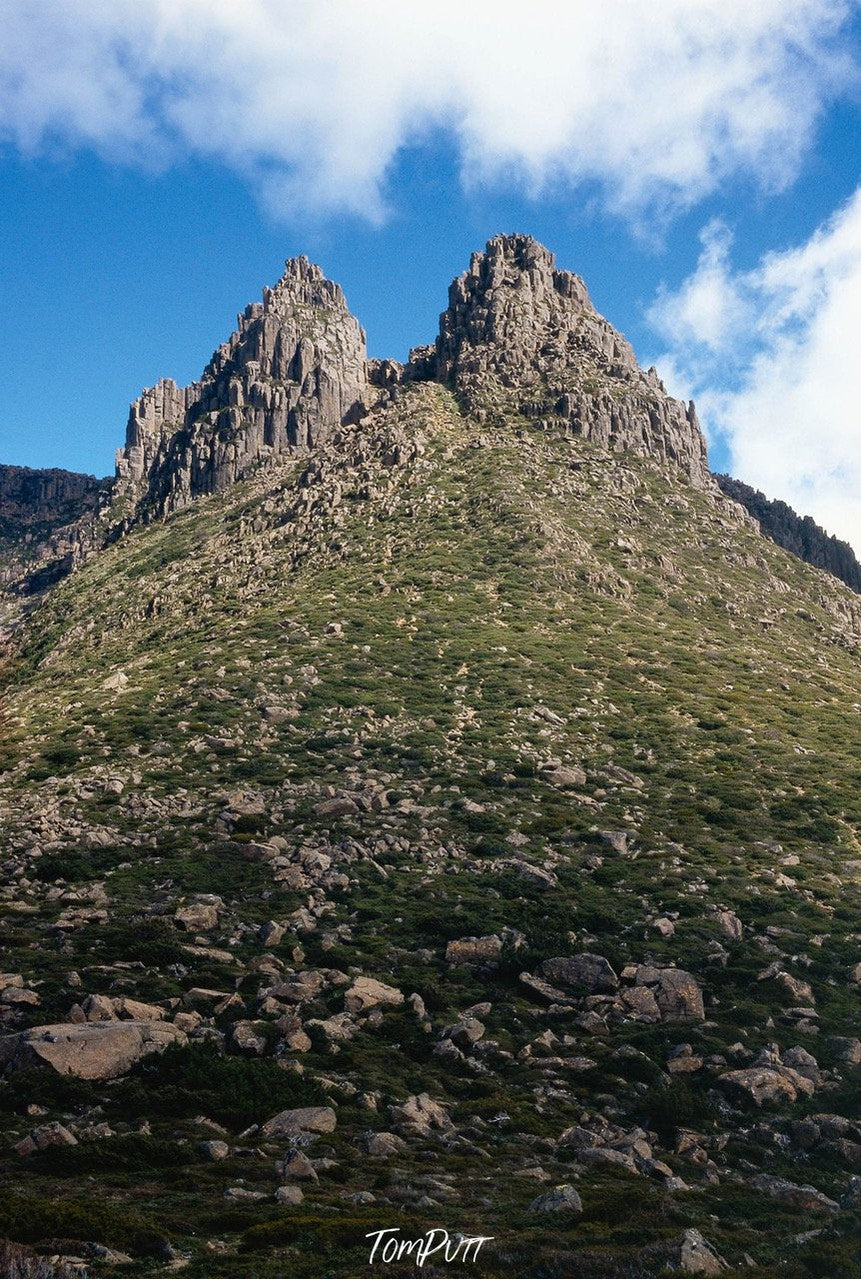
[(293, 371), (519, 336)]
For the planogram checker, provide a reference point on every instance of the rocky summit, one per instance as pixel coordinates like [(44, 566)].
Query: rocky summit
[(429, 803)]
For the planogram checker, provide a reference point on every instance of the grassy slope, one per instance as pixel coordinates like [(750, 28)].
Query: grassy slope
[(503, 599)]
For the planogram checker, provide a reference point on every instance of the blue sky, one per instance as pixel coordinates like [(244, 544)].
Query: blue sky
[(698, 165)]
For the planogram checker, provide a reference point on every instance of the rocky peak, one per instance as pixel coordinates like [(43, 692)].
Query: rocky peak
[(521, 336), (504, 308), (294, 369)]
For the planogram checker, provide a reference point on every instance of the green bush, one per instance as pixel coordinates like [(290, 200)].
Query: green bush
[(30, 1219), (679, 1106), (151, 941), (132, 1154), (326, 1232), (59, 1092), (200, 1079)]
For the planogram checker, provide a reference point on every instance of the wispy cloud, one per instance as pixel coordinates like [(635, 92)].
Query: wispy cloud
[(311, 99), (771, 355)]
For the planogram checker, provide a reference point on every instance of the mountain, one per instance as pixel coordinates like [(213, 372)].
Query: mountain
[(796, 533), (433, 803)]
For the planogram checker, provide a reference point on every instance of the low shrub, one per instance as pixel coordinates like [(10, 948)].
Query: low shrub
[(30, 1219), (200, 1079)]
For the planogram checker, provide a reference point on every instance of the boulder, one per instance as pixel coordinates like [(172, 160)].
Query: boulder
[(201, 915), (289, 1196), (804, 1198), (677, 993), (697, 1257), (247, 1037), (729, 924), (381, 1144), (94, 1050), (565, 776), (762, 1085), (299, 1166), (214, 1150), (98, 1008), (560, 1199), (419, 1115), (115, 683), (593, 972), (296, 1041), (640, 1003), (338, 806), (367, 992), (133, 1010), (108, 1008), (305, 1119), (44, 1136), (800, 1060), (799, 991), (17, 996), (579, 1138), (474, 950), (467, 1032), (271, 934), (298, 988), (603, 1155), (682, 1060)]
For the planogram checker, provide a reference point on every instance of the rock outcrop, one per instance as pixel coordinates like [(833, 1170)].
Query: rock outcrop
[(92, 1050), (520, 336), (293, 371)]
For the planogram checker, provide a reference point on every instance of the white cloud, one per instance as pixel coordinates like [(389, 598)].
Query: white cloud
[(776, 372), (311, 99)]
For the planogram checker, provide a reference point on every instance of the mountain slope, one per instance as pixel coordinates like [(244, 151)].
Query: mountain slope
[(540, 735)]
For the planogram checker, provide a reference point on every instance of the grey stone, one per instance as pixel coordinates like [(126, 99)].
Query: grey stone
[(304, 1119), (560, 1199), (98, 1050), (593, 972)]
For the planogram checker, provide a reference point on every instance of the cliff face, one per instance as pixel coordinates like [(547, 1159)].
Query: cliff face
[(796, 533), (521, 336), (294, 369)]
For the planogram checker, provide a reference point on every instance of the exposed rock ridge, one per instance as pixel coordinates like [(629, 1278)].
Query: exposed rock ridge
[(799, 534), (521, 336), (294, 370), (43, 518), (29, 497)]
